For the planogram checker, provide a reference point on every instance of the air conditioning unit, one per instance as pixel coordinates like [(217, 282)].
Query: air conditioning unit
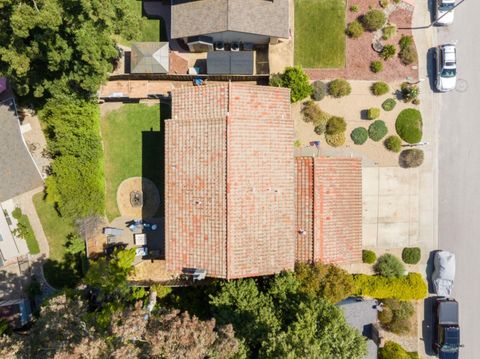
[(235, 46), (219, 46)]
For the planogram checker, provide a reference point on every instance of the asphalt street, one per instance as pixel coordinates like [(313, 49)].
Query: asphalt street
[(458, 113)]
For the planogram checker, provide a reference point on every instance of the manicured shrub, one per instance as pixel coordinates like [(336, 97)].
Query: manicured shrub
[(388, 52), (392, 350), (359, 135), (339, 88), (409, 287), (354, 8), (401, 318), (379, 88), (389, 31), (335, 140), (368, 257), (296, 80), (393, 143), (411, 255), (409, 125), (354, 29), (335, 125), (389, 266), (384, 3), (408, 53), (377, 130), (319, 90), (409, 91), (411, 158), (376, 66), (373, 20), (373, 113), (389, 104)]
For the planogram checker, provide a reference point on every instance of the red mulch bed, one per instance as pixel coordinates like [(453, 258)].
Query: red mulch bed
[(360, 53)]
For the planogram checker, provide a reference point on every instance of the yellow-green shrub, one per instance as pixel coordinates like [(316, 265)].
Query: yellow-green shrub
[(409, 287)]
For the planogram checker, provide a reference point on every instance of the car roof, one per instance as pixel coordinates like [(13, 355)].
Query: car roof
[(448, 311)]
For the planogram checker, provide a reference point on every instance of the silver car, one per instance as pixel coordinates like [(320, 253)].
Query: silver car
[(444, 273), (445, 67)]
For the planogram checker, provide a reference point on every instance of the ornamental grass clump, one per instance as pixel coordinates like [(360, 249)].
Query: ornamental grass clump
[(389, 266), (379, 88), (393, 143), (354, 29), (374, 20), (339, 88)]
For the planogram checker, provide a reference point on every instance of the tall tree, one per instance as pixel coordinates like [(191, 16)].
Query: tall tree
[(53, 47)]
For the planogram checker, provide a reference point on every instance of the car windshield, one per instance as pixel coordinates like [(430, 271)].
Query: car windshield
[(446, 6), (449, 348), (448, 73)]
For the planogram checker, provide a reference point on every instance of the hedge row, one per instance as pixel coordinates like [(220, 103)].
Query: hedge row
[(409, 287), (76, 184)]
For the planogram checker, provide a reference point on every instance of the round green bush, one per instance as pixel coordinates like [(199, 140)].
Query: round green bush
[(319, 90), (411, 158), (389, 266), (373, 113), (335, 125), (379, 88), (388, 52), (359, 135), (354, 29), (409, 125), (368, 257), (377, 130), (296, 80), (376, 66), (389, 31), (335, 140), (393, 143), (411, 255), (389, 104), (339, 88), (392, 350), (374, 20)]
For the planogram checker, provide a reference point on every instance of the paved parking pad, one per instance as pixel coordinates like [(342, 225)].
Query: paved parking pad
[(392, 215)]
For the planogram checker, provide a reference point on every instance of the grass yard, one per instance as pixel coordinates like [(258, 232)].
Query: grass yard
[(150, 29), (25, 231), (320, 33), (133, 147), (59, 270)]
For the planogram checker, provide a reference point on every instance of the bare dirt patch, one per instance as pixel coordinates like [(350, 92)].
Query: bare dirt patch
[(150, 198)]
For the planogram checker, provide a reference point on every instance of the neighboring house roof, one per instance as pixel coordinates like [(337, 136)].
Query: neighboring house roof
[(262, 17), (362, 315), (18, 172), (17, 312), (149, 58), (329, 209), (229, 181)]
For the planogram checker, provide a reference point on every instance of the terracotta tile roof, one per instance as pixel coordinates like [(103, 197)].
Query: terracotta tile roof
[(229, 181), (329, 209)]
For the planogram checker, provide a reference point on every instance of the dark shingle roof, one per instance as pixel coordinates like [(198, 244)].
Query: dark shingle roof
[(18, 172), (262, 17)]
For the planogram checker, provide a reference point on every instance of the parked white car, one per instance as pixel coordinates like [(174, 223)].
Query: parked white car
[(444, 273), (445, 67), (442, 12)]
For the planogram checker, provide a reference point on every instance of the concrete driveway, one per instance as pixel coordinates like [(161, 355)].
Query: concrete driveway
[(397, 208)]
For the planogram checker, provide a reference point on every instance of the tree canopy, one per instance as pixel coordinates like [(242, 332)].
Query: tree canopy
[(55, 48)]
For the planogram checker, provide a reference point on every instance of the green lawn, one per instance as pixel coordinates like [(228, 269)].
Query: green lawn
[(59, 270), (320, 33), (150, 29), (25, 231), (133, 147)]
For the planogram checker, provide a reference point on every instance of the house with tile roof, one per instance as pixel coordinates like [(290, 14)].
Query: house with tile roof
[(229, 181), (241, 21), (329, 209)]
